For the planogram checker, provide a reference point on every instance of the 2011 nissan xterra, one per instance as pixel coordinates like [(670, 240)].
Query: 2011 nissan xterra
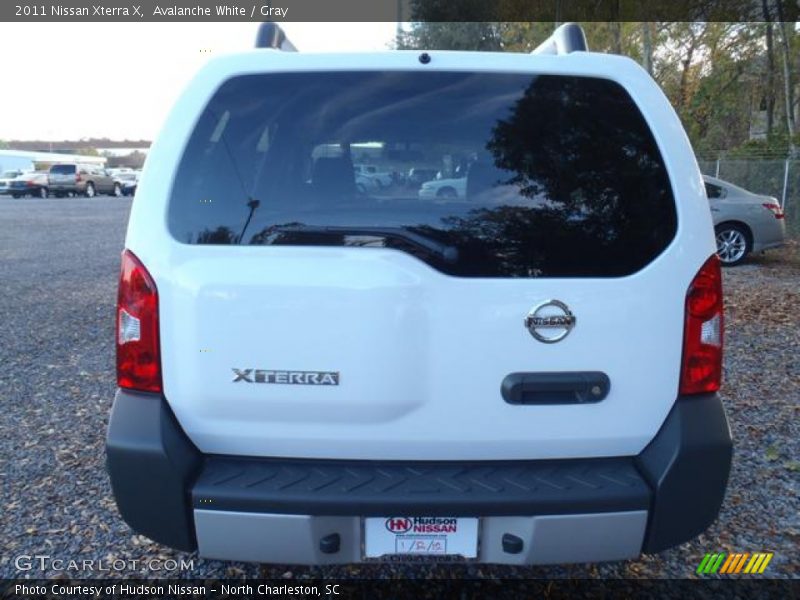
[(524, 373)]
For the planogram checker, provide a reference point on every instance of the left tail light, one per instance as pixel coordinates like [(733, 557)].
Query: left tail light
[(138, 350)]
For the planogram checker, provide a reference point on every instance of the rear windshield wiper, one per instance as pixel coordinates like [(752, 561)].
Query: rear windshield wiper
[(447, 253)]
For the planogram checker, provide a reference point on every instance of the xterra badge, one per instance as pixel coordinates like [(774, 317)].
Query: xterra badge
[(288, 377), (550, 321)]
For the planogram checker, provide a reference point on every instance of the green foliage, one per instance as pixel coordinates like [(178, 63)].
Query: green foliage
[(776, 146), (87, 152), (451, 36), (715, 74)]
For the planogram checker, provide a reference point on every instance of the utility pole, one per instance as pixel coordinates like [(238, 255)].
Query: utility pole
[(787, 81)]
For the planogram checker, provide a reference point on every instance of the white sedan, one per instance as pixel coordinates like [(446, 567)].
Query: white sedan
[(444, 188)]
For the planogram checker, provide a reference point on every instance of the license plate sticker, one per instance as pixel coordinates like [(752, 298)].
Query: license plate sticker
[(426, 536)]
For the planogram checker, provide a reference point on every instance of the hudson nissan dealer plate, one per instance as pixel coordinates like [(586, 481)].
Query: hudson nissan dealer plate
[(421, 536)]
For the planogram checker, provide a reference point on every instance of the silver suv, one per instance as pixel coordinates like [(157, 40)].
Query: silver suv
[(84, 179)]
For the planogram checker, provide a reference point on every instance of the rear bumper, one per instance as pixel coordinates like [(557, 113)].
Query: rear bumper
[(28, 189), (280, 510), (76, 188), (770, 235), (769, 245)]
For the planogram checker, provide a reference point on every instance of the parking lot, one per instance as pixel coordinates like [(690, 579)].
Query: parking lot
[(58, 273)]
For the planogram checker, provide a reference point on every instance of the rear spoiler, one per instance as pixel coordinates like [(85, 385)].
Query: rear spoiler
[(270, 35), (566, 39)]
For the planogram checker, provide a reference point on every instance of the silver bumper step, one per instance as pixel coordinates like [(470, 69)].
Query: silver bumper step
[(297, 539)]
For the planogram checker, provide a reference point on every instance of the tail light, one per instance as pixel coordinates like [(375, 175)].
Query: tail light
[(138, 351), (775, 209), (701, 366), (78, 178)]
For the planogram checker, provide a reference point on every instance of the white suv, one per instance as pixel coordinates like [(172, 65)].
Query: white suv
[(524, 375)]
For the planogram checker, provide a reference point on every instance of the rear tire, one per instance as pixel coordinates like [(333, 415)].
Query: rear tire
[(15, 196), (90, 191), (43, 192), (117, 190), (734, 243)]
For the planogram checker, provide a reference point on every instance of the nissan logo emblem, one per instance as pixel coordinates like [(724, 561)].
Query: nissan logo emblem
[(550, 321)]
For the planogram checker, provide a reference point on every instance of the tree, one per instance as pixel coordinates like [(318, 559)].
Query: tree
[(716, 74), (647, 47), (87, 151), (770, 83), (788, 85), (450, 36)]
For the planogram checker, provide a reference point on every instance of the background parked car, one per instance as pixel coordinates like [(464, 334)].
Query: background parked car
[(383, 178), (87, 180), (417, 176), (128, 181), (444, 188), (114, 171), (122, 177), (366, 184), (29, 184), (744, 222), (6, 177)]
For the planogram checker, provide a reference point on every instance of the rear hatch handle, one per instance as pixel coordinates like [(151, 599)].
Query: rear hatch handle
[(577, 387)]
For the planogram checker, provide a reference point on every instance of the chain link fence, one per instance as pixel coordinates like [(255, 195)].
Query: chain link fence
[(772, 177)]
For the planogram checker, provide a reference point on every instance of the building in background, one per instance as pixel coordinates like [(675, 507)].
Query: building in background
[(24, 160)]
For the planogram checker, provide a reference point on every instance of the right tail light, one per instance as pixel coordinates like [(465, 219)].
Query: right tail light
[(701, 365), (775, 209)]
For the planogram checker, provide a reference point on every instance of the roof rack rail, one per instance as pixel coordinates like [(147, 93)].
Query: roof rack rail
[(270, 35), (564, 40)]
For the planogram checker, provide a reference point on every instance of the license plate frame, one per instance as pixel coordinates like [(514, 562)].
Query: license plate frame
[(421, 536)]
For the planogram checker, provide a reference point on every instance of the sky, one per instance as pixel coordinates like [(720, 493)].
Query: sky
[(119, 80)]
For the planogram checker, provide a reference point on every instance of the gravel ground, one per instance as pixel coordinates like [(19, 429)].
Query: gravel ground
[(58, 269)]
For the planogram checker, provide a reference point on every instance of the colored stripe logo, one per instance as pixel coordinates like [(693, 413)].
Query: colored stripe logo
[(731, 564)]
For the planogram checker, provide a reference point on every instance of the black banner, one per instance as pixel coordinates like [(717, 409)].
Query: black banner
[(393, 10), (418, 589)]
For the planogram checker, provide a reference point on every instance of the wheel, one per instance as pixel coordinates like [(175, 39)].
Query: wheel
[(446, 192), (361, 189), (733, 243), (43, 192), (117, 190), (90, 191), (15, 195)]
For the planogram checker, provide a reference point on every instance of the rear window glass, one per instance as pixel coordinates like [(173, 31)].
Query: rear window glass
[(477, 174), (62, 169)]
